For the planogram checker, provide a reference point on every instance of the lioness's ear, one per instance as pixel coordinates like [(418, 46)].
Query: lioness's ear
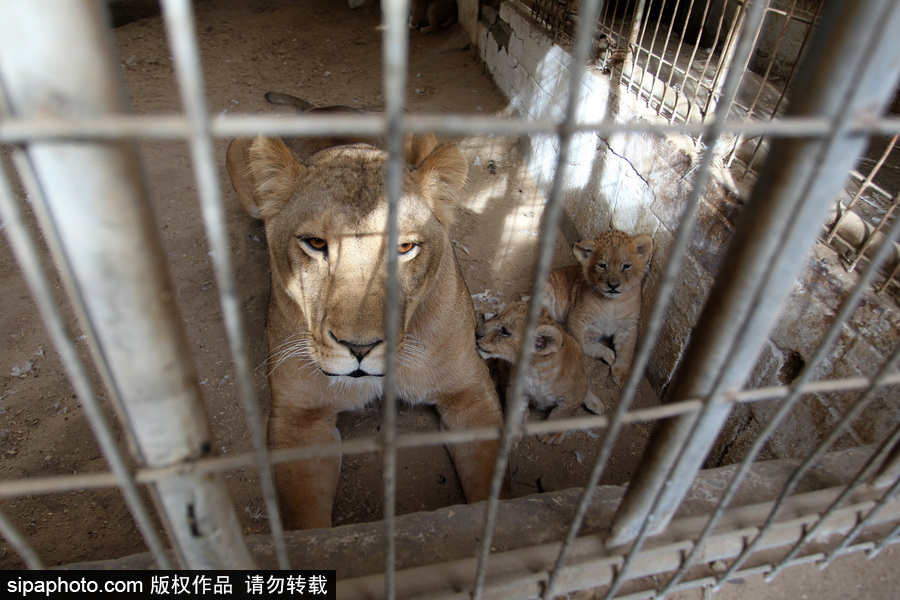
[(273, 172), (237, 159), (643, 245), (443, 177), (547, 340), (583, 250)]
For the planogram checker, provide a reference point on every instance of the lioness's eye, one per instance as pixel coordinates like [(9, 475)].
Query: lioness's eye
[(626, 267), (317, 244), (504, 332), (406, 248), (601, 266)]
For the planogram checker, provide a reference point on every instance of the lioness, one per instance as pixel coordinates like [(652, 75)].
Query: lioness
[(599, 299), (556, 378), (323, 204)]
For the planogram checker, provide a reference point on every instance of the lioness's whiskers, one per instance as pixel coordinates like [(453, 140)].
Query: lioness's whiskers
[(412, 353), (297, 346)]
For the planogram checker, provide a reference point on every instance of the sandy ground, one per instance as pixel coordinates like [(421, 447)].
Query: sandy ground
[(326, 54)]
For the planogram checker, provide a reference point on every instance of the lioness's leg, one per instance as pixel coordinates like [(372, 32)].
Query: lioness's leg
[(473, 407), (305, 488)]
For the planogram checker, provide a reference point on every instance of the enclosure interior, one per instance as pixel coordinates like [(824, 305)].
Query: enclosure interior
[(327, 55)]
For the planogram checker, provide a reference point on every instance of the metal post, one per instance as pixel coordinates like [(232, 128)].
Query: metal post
[(515, 407), (785, 213), (394, 55), (56, 62), (739, 139), (633, 48), (180, 25)]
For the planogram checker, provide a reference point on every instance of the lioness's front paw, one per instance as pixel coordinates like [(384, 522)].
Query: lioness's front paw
[(552, 438), (619, 374)]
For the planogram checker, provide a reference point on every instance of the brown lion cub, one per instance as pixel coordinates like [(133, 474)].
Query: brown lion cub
[(599, 299), (556, 378)]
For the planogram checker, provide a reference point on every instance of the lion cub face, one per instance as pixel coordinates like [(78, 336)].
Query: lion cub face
[(502, 335), (326, 224), (614, 262)]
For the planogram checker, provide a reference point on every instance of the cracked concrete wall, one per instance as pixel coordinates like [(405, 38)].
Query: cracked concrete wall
[(638, 182)]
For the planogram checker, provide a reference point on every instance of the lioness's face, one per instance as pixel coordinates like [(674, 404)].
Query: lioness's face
[(326, 225), (329, 251)]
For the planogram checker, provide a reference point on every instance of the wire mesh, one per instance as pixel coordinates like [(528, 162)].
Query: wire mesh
[(675, 55)]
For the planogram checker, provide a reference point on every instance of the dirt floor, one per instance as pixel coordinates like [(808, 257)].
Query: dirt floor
[(326, 54)]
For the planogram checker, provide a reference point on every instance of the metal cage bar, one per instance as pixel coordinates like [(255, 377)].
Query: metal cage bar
[(844, 312), (179, 20), (121, 288), (864, 474), (652, 330), (765, 79), (394, 58), (820, 450), (866, 184), (635, 514), (515, 405), (787, 86)]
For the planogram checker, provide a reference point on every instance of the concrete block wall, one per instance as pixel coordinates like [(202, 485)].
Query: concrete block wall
[(639, 183)]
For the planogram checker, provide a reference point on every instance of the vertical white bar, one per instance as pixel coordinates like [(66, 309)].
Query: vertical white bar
[(56, 59), (395, 51), (33, 271)]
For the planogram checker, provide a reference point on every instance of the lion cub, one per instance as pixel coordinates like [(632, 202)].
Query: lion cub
[(599, 299), (556, 378)]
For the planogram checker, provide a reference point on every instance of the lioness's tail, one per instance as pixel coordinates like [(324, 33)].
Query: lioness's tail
[(287, 99)]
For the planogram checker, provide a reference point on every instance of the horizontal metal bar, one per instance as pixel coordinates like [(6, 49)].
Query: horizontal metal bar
[(21, 130), (862, 476), (840, 427), (792, 16), (869, 184), (62, 483), (762, 569)]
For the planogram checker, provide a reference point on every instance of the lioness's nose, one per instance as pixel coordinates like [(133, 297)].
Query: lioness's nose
[(356, 349)]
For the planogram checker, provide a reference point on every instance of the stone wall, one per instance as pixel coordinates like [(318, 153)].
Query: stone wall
[(639, 182)]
